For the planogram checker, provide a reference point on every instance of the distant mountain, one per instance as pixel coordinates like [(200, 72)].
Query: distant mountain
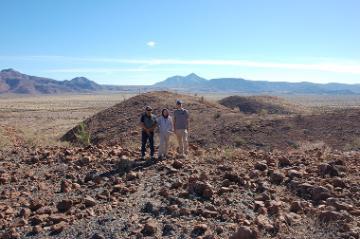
[(189, 81), (193, 82), (12, 81)]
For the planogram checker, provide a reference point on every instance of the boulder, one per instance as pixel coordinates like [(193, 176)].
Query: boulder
[(64, 205), (150, 228), (245, 232)]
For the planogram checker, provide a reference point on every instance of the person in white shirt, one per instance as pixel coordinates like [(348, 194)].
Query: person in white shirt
[(165, 124)]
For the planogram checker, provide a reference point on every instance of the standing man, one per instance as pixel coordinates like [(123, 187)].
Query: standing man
[(148, 124), (181, 127)]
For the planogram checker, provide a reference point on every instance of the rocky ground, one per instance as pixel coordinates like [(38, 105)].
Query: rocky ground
[(105, 192)]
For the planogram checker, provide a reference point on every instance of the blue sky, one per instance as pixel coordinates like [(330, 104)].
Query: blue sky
[(145, 41)]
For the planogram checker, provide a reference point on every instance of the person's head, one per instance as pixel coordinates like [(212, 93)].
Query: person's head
[(148, 110), (179, 104), (165, 113)]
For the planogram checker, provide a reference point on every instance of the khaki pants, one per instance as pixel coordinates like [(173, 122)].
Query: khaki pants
[(164, 144), (182, 137)]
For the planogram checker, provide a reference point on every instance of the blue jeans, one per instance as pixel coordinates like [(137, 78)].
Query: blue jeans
[(144, 138)]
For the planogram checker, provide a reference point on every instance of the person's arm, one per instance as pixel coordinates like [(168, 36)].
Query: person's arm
[(174, 122), (187, 120), (142, 125), (171, 124)]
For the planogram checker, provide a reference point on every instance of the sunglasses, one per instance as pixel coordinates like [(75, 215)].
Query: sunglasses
[(149, 110)]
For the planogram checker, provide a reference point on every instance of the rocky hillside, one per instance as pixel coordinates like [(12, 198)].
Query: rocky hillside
[(120, 123), (258, 104), (214, 125), (103, 192)]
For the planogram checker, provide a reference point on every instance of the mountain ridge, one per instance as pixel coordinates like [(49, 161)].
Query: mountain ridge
[(12, 81), (187, 83)]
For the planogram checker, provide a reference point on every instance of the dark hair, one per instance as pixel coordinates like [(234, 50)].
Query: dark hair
[(163, 110)]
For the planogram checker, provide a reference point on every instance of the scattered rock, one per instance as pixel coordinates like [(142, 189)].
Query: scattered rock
[(177, 164), (57, 228), (330, 216), (284, 162), (245, 232), (262, 166), (89, 201), (296, 207), (277, 177), (64, 205), (97, 236), (201, 189), (150, 229), (25, 213), (327, 169), (199, 230)]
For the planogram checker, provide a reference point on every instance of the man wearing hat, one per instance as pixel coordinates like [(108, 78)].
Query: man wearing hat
[(148, 124), (181, 127)]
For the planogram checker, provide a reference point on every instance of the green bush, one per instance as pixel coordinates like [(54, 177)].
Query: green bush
[(83, 135)]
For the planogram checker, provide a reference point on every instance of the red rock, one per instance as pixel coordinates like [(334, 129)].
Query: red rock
[(234, 177), (35, 205), (262, 166), (296, 207), (199, 229), (277, 177), (65, 186), (294, 174), (11, 234), (327, 169), (89, 201), (177, 164), (330, 216), (57, 218), (25, 212), (150, 229), (57, 228), (245, 232), (284, 162), (274, 207), (201, 189), (264, 223), (44, 210), (64, 205), (37, 229), (131, 176)]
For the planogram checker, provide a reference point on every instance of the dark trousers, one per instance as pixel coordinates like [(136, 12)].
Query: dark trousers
[(144, 138)]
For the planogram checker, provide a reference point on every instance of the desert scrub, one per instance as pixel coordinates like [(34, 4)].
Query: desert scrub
[(217, 115), (4, 140), (263, 112), (353, 145), (82, 135), (239, 141)]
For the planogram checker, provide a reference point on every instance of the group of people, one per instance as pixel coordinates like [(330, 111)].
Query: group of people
[(178, 124)]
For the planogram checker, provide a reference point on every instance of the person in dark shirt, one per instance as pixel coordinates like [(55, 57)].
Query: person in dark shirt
[(148, 124)]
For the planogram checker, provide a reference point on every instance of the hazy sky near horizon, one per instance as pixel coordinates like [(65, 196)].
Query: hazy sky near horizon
[(145, 41)]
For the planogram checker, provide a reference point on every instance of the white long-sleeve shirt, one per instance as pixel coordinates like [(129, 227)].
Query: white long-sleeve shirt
[(165, 124)]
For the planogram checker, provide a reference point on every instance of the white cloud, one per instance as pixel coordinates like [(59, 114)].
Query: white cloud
[(151, 44)]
